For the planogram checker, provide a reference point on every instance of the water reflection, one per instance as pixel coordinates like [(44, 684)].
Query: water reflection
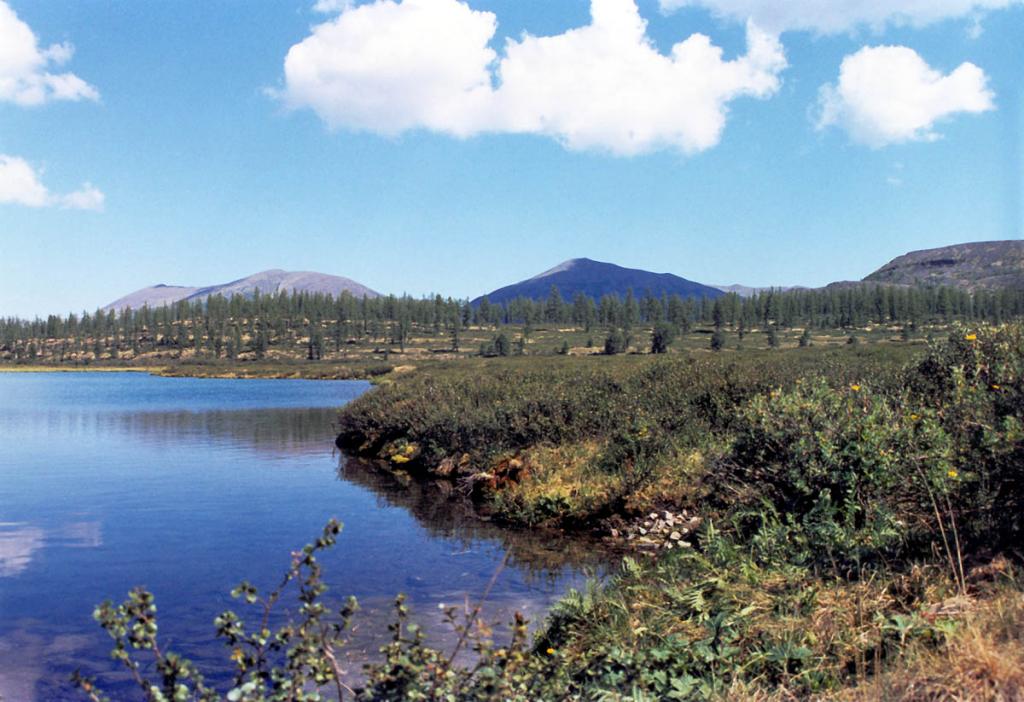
[(19, 542), (278, 430), (446, 514), (25, 654), (188, 486)]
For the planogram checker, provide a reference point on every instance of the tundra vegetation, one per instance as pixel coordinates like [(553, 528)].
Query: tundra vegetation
[(319, 336), (852, 530)]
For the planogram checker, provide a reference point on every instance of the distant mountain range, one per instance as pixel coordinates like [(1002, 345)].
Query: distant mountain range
[(973, 266), (267, 282), (595, 279), (981, 265)]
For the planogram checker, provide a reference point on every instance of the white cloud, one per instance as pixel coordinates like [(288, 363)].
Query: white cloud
[(390, 67), (331, 6), (837, 16), (25, 78), (393, 66), (889, 94), (20, 184), (606, 86), (88, 197)]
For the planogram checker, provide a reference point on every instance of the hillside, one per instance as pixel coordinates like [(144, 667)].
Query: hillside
[(981, 265), (267, 282), (594, 279), (154, 296)]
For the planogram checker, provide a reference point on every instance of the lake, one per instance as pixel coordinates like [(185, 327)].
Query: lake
[(188, 486)]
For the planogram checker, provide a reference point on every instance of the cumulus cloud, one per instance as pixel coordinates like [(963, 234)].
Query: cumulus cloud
[(889, 94), (390, 66), (25, 75), (837, 16), (20, 184)]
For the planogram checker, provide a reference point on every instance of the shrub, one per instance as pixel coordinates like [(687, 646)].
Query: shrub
[(717, 340), (662, 337), (615, 343), (848, 468)]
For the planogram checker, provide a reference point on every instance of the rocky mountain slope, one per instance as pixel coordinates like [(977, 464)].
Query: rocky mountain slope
[(979, 265), (267, 282)]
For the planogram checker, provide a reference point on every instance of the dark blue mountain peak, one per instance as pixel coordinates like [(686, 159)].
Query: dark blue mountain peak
[(596, 279)]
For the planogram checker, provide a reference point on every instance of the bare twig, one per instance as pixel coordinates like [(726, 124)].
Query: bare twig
[(476, 610)]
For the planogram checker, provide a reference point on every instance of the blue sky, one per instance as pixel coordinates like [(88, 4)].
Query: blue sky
[(186, 151)]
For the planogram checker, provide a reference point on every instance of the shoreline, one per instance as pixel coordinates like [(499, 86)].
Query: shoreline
[(226, 373), (155, 370)]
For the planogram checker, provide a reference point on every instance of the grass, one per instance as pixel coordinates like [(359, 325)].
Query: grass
[(364, 357), (856, 503), (982, 660), (572, 440)]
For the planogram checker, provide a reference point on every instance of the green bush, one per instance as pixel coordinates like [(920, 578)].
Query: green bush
[(850, 467)]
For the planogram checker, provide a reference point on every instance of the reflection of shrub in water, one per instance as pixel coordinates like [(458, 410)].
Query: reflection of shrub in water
[(300, 430), (444, 512)]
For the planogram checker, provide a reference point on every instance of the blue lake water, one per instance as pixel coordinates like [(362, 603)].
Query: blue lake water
[(187, 486)]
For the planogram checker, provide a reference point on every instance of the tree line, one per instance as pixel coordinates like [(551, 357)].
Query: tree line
[(227, 327)]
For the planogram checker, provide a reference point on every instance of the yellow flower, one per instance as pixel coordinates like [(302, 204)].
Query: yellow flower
[(914, 417), (971, 337), (952, 473), (855, 388), (399, 458), (551, 651), (995, 387), (237, 655)]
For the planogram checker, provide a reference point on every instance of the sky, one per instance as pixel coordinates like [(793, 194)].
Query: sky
[(423, 146)]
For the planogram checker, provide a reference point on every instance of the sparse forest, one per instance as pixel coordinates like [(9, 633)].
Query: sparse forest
[(315, 327)]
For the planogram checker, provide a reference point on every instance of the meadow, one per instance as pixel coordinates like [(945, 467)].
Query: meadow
[(367, 357)]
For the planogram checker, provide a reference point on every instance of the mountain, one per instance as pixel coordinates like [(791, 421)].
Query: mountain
[(154, 296), (594, 279), (267, 282), (980, 265)]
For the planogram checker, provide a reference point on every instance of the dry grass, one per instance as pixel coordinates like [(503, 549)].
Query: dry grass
[(560, 476), (982, 662)]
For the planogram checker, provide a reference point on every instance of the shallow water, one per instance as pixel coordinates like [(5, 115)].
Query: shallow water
[(187, 486)]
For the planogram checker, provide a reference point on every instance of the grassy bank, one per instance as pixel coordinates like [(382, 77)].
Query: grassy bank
[(28, 368), (852, 522), (570, 441), (354, 370), (284, 368), (859, 511)]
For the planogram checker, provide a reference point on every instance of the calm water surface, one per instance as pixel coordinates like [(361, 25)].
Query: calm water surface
[(187, 486)]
